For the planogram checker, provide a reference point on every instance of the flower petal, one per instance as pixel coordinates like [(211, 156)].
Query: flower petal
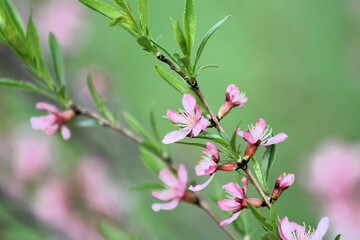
[(182, 174), (204, 123), (234, 189), (196, 130), (165, 206), (212, 149), (260, 125), (201, 186), (239, 132), (321, 229), (230, 220), (164, 195), (65, 132), (228, 205), (275, 140), (189, 103), (176, 136), (42, 122), (175, 116), (249, 137), (51, 130), (168, 178), (48, 107), (285, 229)]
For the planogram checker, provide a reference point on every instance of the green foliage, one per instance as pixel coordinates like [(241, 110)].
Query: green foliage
[(143, 11), (110, 232), (147, 187), (189, 24), (180, 38), (57, 59), (205, 40), (337, 237), (270, 236), (258, 172), (103, 110), (267, 162), (25, 86), (151, 161), (262, 220)]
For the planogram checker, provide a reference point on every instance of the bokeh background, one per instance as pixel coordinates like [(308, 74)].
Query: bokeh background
[(298, 62)]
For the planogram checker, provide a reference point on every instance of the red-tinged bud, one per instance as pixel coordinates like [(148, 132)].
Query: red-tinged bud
[(227, 167), (256, 202), (67, 116), (190, 197), (233, 98), (283, 182), (250, 150)]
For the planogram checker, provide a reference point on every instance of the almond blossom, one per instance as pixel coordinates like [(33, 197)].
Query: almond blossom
[(175, 189), (237, 200), (283, 182), (293, 231), (208, 165), (259, 135), (233, 98), (53, 122), (189, 120)]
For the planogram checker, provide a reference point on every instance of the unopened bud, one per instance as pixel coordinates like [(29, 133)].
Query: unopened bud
[(283, 182), (228, 167)]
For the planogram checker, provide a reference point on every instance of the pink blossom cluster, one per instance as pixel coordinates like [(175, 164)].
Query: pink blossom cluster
[(334, 173)]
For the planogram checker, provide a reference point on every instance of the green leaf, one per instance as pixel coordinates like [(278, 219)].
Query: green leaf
[(179, 85), (180, 38), (25, 86), (143, 10), (34, 49), (262, 220), (102, 8), (147, 187), (146, 44), (273, 214), (338, 237), (151, 161), (201, 145), (202, 67), (206, 38), (233, 138), (136, 126), (268, 161), (270, 236), (14, 16), (111, 232), (214, 137), (104, 111), (189, 24), (57, 59), (154, 126), (259, 174)]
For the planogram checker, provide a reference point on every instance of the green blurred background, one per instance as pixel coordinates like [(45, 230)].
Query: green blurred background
[(297, 61)]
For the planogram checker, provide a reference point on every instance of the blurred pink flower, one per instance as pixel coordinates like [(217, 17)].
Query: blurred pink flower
[(190, 121), (233, 98), (334, 174), (259, 135), (51, 123), (293, 231), (237, 200), (207, 165), (175, 189), (100, 194), (283, 182), (64, 18)]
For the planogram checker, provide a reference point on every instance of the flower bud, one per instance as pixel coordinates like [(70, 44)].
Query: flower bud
[(227, 167), (283, 182)]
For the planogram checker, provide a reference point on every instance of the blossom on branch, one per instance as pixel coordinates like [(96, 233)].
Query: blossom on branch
[(259, 135), (191, 121), (175, 189), (293, 231), (237, 200), (208, 166), (51, 123), (283, 182), (233, 98)]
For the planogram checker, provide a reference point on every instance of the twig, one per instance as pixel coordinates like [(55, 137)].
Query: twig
[(257, 186)]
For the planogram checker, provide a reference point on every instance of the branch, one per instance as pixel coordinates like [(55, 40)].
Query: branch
[(257, 186)]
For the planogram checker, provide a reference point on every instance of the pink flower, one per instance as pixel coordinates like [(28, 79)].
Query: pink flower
[(237, 200), (175, 189), (293, 231), (54, 121), (207, 165), (282, 183), (233, 98), (258, 135), (190, 121)]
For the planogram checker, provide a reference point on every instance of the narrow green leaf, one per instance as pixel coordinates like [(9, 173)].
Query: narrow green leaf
[(262, 220), (57, 59), (338, 237), (151, 161), (14, 16), (111, 232), (233, 138), (25, 86), (137, 126), (202, 67), (104, 111), (201, 145), (147, 187), (143, 10), (179, 85), (189, 24), (154, 126), (268, 160), (102, 8), (259, 174), (270, 236), (146, 44), (214, 137), (180, 37), (206, 38), (273, 214)]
